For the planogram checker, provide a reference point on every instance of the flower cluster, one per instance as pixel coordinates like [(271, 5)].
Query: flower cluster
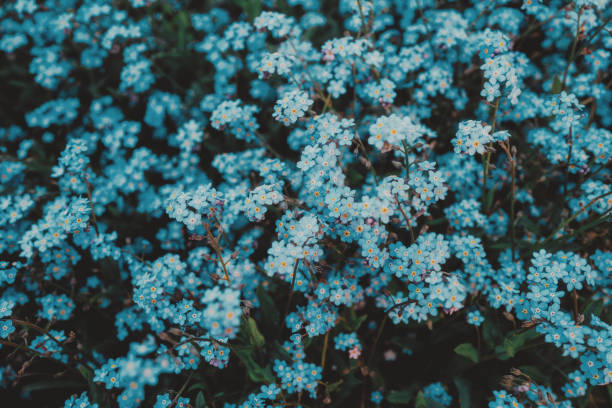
[(306, 203), (292, 106)]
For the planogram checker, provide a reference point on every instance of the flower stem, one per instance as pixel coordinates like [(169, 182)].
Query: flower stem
[(573, 50), (324, 352), (487, 160), (215, 245), (570, 219)]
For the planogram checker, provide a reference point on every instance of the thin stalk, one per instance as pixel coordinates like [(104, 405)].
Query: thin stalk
[(208, 339), (215, 245), (93, 213), (324, 352), (512, 211), (20, 346), (588, 41), (38, 329), (267, 145), (570, 219), (180, 392), (295, 267), (222, 233), (589, 175), (364, 27), (375, 343), (482, 13), (569, 159), (487, 159), (573, 50), (407, 161), (575, 298), (511, 154), (365, 154), (405, 219), (46, 333), (426, 24), (535, 26), (592, 224), (326, 100), (396, 305), (354, 103), (42, 355)]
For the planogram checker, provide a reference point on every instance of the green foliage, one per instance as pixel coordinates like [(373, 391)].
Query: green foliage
[(256, 372), (251, 8), (467, 350), (463, 391), (401, 397), (200, 401), (249, 326)]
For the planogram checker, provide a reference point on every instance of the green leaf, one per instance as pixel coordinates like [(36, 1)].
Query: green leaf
[(200, 401), (93, 389), (556, 85), (535, 373), (490, 195), (351, 381), (520, 339), (255, 371), (251, 8), (346, 390), (196, 386), (167, 8), (182, 20), (593, 308), (255, 337), (501, 353), (400, 397), (436, 221), (354, 177), (509, 347), (514, 342), (531, 226), (307, 342), (491, 332), (421, 401), (268, 307), (333, 386), (467, 350), (463, 389), (85, 372), (357, 322)]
